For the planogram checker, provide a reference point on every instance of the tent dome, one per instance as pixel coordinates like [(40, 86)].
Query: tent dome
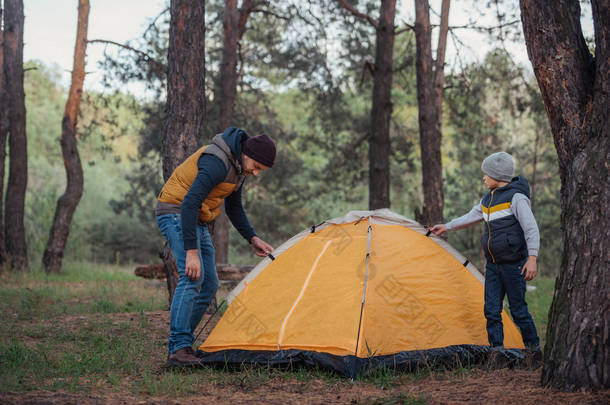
[(366, 290)]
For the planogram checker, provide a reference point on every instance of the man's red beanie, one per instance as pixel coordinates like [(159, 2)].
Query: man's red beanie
[(260, 148)]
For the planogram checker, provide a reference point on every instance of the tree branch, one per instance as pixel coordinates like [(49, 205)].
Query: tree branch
[(408, 27), (348, 148), (154, 21), (482, 28), (129, 48), (271, 13), (442, 45), (357, 13), (408, 62), (245, 10)]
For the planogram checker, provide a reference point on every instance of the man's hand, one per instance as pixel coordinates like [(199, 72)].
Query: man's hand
[(193, 266), (260, 247), (529, 268), (438, 229)]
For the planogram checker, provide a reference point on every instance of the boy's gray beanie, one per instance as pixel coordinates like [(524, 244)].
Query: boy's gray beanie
[(499, 166)]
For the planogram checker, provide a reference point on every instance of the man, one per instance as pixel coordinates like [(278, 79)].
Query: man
[(190, 200)]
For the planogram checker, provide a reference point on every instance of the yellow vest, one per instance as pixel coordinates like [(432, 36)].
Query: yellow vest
[(182, 178)]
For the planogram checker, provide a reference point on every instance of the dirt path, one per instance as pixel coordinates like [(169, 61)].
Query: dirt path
[(485, 387)]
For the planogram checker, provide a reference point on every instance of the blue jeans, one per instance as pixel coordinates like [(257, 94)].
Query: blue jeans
[(501, 279), (191, 297)]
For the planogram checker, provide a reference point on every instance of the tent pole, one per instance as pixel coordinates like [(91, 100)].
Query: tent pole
[(366, 277)]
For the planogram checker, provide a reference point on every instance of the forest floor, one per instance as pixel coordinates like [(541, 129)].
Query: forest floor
[(98, 335)]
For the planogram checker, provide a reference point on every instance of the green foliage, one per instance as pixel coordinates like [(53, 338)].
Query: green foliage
[(303, 81), (109, 129)]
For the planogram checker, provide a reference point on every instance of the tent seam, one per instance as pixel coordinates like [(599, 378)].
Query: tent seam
[(315, 265)]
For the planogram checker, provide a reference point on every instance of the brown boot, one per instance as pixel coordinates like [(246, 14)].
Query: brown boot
[(183, 358)]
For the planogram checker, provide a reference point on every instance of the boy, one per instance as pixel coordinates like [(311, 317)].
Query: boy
[(510, 241)]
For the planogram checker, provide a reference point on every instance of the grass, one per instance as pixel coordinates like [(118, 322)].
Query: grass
[(80, 290), (56, 334), (90, 328), (539, 302), (100, 328)]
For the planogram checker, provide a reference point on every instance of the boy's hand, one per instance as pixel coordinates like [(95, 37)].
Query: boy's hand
[(193, 266), (529, 268), (261, 248), (438, 229)]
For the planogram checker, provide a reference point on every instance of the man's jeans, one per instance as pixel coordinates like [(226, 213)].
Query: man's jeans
[(507, 279), (191, 298)]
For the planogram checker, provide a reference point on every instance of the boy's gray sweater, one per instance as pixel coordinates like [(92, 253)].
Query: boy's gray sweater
[(520, 207)]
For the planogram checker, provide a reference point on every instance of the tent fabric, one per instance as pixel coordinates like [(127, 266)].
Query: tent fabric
[(365, 290)]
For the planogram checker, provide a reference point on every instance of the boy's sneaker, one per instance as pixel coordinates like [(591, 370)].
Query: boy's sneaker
[(181, 358)]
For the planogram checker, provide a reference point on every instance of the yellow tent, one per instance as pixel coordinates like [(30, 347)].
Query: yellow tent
[(369, 289)]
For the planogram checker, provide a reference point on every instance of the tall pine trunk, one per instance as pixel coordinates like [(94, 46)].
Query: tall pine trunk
[(430, 80), (3, 134), (67, 203), (381, 112), (18, 167), (185, 109), (575, 89), (234, 25)]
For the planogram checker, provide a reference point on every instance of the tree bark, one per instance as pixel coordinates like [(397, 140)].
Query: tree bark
[(171, 271), (234, 25), (18, 168), (430, 80), (185, 110), (3, 135), (534, 171), (67, 203), (381, 112), (575, 90)]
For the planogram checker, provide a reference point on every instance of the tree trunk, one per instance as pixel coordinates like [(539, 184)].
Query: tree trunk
[(234, 25), (3, 134), (534, 171), (67, 203), (575, 90), (185, 110), (430, 80), (171, 271), (18, 167), (381, 112)]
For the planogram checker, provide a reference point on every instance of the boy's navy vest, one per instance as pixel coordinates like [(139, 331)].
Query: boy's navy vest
[(503, 240)]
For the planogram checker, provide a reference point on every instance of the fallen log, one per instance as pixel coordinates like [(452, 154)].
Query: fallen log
[(155, 271), (225, 271)]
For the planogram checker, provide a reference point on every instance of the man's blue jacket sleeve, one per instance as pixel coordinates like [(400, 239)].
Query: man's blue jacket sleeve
[(237, 215)]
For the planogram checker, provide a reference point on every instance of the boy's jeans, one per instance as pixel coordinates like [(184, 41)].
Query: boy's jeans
[(507, 279), (191, 298)]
